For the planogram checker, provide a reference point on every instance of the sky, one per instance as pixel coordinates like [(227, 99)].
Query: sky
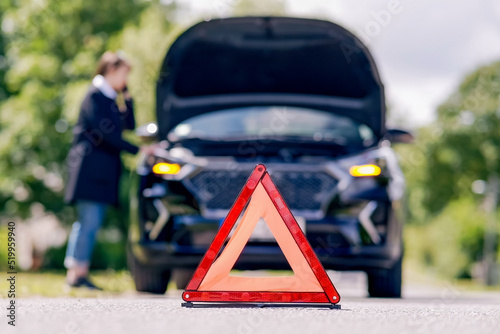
[(423, 48)]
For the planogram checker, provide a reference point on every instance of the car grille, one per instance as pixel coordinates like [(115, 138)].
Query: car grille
[(302, 190)]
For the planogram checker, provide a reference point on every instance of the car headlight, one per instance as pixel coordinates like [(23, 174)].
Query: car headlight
[(368, 164), (169, 164), (365, 170), (166, 168)]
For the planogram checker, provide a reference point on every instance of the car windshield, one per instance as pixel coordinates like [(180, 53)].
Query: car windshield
[(274, 122)]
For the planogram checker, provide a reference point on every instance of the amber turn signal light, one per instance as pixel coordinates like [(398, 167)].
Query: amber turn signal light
[(166, 168), (365, 170)]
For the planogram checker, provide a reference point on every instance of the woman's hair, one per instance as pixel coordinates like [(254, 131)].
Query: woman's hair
[(110, 60)]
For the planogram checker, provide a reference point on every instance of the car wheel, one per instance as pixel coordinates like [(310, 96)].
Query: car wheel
[(147, 278), (386, 283), (182, 277)]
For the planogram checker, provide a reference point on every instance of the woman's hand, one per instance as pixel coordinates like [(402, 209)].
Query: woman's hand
[(125, 93)]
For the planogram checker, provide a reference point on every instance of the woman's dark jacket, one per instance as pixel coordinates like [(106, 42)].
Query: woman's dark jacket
[(93, 162)]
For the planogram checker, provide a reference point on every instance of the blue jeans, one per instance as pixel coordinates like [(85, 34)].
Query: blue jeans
[(83, 233)]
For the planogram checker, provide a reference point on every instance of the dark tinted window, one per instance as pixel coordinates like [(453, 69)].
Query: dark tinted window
[(274, 121)]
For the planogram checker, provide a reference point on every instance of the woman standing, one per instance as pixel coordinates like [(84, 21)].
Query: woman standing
[(94, 163)]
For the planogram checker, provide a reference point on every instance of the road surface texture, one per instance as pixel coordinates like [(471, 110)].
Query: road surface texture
[(442, 310)]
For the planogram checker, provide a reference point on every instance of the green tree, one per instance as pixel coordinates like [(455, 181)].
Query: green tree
[(50, 46), (461, 146), (4, 93), (452, 241)]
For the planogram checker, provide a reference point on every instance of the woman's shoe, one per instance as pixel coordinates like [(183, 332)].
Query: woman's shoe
[(83, 282)]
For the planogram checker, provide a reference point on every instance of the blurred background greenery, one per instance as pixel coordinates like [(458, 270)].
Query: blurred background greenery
[(48, 52)]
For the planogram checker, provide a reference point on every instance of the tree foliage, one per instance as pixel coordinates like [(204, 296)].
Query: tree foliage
[(452, 242), (51, 48), (461, 146), (4, 93)]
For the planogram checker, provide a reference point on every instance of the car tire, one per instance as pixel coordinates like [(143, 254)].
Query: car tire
[(147, 278), (182, 277), (386, 283)]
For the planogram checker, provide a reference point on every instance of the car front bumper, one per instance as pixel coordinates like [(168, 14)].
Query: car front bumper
[(333, 240)]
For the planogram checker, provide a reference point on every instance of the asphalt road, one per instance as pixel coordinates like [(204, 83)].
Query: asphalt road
[(443, 309)]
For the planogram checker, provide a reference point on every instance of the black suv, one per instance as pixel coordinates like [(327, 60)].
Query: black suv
[(301, 96)]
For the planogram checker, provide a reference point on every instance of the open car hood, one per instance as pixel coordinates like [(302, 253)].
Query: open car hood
[(245, 61)]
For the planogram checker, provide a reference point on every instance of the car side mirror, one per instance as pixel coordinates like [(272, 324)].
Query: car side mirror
[(147, 132), (399, 136)]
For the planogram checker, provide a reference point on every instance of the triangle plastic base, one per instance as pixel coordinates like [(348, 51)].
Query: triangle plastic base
[(258, 305)]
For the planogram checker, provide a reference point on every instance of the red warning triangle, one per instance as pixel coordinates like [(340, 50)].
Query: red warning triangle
[(211, 282)]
